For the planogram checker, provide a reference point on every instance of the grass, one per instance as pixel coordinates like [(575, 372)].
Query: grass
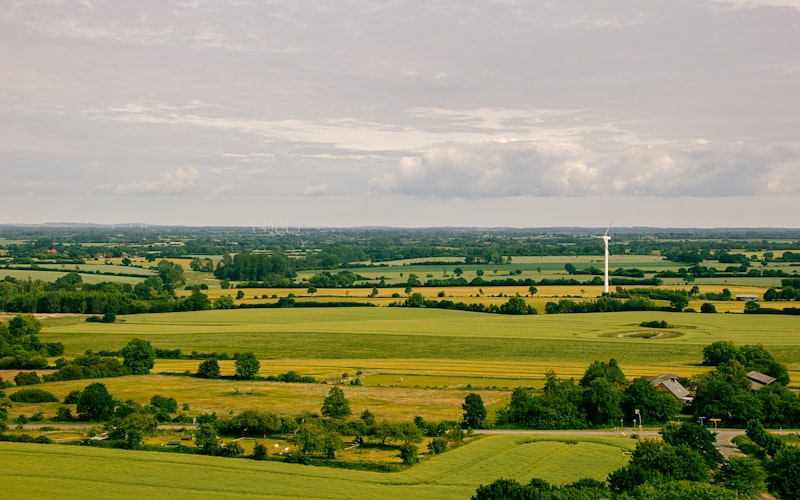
[(400, 333), (29, 469)]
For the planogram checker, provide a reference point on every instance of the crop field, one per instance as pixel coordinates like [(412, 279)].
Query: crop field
[(486, 295), (27, 470), (39, 274), (428, 334)]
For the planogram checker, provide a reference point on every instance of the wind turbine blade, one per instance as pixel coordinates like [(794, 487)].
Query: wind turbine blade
[(609, 227)]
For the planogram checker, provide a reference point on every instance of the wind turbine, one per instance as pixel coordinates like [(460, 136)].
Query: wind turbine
[(606, 238)]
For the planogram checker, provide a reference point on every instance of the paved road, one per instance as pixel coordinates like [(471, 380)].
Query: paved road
[(724, 436)]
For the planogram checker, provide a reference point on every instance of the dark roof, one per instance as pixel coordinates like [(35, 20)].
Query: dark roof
[(759, 380), (671, 384)]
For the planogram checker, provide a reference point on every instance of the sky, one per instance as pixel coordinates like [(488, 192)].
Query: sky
[(417, 113)]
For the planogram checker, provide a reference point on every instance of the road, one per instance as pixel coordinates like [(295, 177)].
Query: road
[(724, 436)]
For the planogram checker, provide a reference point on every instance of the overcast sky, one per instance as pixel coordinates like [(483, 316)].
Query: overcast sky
[(401, 113)]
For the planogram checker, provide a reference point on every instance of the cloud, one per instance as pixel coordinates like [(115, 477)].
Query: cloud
[(173, 181), (315, 190), (551, 169)]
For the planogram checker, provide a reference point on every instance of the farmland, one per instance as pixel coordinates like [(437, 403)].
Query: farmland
[(407, 361), (456, 474)]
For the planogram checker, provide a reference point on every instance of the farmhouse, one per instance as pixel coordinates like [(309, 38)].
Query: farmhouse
[(759, 380), (669, 383)]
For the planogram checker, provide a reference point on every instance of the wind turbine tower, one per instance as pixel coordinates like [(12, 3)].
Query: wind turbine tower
[(606, 238)]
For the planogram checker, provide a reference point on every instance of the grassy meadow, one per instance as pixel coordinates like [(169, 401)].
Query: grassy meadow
[(28, 471)]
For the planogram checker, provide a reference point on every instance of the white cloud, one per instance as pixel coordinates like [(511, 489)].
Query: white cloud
[(173, 181), (315, 190), (527, 168)]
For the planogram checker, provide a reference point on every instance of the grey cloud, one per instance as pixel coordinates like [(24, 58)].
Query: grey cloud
[(526, 168)]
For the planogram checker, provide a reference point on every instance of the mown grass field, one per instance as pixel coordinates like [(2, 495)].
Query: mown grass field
[(76, 472)]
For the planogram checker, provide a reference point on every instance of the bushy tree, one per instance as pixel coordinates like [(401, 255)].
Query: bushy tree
[(209, 368), (33, 396), (656, 462), (247, 365), (784, 473), (474, 411), (696, 437), (27, 378), (744, 475), (313, 437), (139, 356), (655, 406), (95, 403), (409, 454), (335, 404)]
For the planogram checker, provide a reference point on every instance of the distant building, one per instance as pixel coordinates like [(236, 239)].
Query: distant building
[(746, 297), (669, 383), (759, 380)]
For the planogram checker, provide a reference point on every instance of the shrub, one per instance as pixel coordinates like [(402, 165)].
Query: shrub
[(408, 453), (27, 378), (208, 369), (437, 445), (708, 308), (33, 396), (73, 397)]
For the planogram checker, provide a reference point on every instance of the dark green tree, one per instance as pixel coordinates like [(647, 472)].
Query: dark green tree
[(474, 411), (247, 365), (409, 454), (335, 404), (95, 403), (601, 403), (783, 473), (139, 356), (209, 368), (708, 308), (654, 406), (719, 352), (23, 325), (696, 437), (744, 475)]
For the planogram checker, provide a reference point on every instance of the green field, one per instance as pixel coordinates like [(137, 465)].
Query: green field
[(403, 333), (76, 472), (411, 362), (86, 276)]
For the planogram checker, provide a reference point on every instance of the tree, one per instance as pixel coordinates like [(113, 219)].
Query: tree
[(247, 365), (23, 325), (171, 274), (655, 406), (708, 308), (209, 368), (601, 402), (696, 437), (335, 404), (743, 475), (313, 437), (224, 302), (139, 356), (719, 352), (27, 378), (474, 411), (458, 271), (409, 454), (783, 473), (416, 299), (259, 452), (95, 403), (678, 302), (516, 305)]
